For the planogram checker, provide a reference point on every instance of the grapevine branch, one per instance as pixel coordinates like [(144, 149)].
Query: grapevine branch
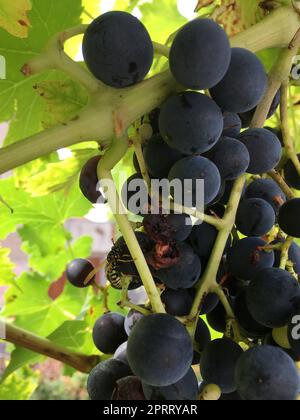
[(45, 347)]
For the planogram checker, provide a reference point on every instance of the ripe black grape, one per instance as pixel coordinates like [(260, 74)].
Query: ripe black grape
[(246, 258), (271, 297), (159, 157), (203, 238), (166, 228), (250, 328), (267, 190), (200, 54), (264, 149), (255, 217), (267, 374), (197, 168), (102, 379), (109, 332), (288, 219), (191, 123), (231, 158), (185, 272), (291, 175), (88, 181), (177, 302), (118, 49), (218, 362), (232, 125), (185, 389), (209, 303), (78, 272), (159, 350), (244, 84)]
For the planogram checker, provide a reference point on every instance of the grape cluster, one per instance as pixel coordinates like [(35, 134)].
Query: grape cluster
[(199, 136)]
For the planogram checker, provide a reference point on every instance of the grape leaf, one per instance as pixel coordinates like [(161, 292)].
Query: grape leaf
[(41, 212), (19, 102), (71, 334), (14, 17), (18, 387)]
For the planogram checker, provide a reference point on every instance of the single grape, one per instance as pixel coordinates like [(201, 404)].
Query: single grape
[(103, 378), (232, 125), (264, 149), (218, 362), (109, 332), (121, 353), (192, 169), (288, 219), (118, 49), (244, 84), (291, 175), (78, 272), (267, 374), (247, 257), (186, 389), (231, 158), (209, 303), (156, 147), (177, 302), (267, 190), (271, 297), (255, 217), (200, 54), (88, 181), (191, 123), (203, 238), (160, 350)]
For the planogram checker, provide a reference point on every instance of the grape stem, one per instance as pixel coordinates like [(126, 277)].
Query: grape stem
[(285, 252), (282, 184), (29, 341)]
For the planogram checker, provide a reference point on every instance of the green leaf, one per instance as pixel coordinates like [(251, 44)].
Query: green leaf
[(71, 334), (7, 274), (41, 212), (36, 311), (161, 18), (18, 387), (20, 357), (19, 102)]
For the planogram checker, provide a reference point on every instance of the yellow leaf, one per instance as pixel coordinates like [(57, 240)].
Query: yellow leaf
[(14, 17)]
